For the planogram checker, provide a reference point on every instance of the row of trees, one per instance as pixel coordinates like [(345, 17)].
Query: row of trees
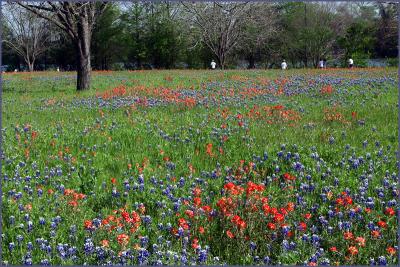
[(103, 36)]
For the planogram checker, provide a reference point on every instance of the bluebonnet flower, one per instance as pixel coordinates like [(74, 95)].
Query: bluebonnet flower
[(253, 246), (331, 140), (72, 251), (20, 206), (28, 261), (143, 254), (30, 226), (184, 260), (315, 239), (88, 246), (202, 256), (52, 233), (42, 221), (277, 168), (180, 232), (61, 251), (382, 260), (144, 240), (29, 246), (285, 230), (19, 239), (96, 222), (285, 244), (72, 229), (45, 262)]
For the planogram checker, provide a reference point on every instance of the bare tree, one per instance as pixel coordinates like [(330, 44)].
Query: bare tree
[(220, 25), (28, 35), (77, 20), (260, 25)]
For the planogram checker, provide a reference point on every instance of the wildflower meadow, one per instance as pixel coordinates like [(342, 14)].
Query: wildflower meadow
[(185, 167)]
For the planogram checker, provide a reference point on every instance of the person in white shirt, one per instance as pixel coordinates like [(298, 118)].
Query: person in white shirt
[(58, 69), (213, 64), (321, 64), (351, 63), (284, 65)]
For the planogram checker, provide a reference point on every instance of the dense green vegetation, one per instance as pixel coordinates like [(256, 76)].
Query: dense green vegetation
[(164, 35)]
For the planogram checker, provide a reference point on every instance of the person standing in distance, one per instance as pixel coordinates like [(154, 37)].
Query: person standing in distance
[(284, 65), (213, 64), (351, 63), (321, 64)]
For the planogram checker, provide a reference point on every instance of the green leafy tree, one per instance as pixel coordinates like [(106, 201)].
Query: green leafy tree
[(162, 39), (107, 40), (133, 23), (308, 33), (358, 41)]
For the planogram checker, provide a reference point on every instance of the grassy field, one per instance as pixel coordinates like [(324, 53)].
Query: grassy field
[(201, 167)]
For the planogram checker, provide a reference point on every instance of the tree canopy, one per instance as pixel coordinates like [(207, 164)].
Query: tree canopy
[(144, 35)]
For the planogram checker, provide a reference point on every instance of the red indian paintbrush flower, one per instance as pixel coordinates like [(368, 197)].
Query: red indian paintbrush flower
[(302, 226), (197, 201), (333, 249), (348, 235), (271, 226), (123, 239), (352, 250), (230, 234), (195, 243), (360, 241), (390, 211), (375, 234), (105, 243), (88, 224), (189, 213), (382, 224), (391, 250)]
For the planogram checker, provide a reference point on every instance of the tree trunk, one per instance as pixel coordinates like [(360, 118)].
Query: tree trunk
[(251, 61), (84, 72), (30, 66), (221, 61), (83, 51), (29, 62)]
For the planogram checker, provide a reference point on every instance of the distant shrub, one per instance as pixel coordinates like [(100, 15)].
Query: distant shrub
[(392, 62), (117, 66), (360, 60)]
